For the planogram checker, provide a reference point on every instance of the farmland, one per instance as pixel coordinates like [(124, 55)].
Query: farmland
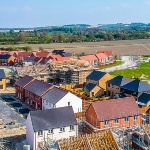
[(123, 47)]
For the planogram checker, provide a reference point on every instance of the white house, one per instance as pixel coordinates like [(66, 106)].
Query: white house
[(50, 125), (57, 97)]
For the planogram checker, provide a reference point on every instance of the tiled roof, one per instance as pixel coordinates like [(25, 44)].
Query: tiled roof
[(57, 52), (24, 81), (38, 87), (143, 98), (5, 56), (44, 60), (37, 59), (119, 81), (107, 52), (55, 56), (89, 87), (2, 74), (52, 118), (137, 86), (66, 54), (116, 108), (42, 54), (96, 75), (101, 56), (88, 57), (29, 59), (54, 95)]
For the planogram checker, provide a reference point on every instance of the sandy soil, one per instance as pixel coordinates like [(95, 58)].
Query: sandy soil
[(126, 47)]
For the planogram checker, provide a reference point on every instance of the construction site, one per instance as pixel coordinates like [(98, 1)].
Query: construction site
[(56, 72)]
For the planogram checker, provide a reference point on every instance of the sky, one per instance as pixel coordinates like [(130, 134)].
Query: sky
[(41, 13)]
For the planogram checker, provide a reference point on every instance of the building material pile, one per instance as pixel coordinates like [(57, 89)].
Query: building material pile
[(101, 140)]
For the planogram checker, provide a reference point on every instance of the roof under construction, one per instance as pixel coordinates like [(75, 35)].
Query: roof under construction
[(100, 140)]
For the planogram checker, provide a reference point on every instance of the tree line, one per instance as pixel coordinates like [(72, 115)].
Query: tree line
[(69, 35)]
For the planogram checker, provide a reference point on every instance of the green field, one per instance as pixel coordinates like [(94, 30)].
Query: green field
[(143, 69)]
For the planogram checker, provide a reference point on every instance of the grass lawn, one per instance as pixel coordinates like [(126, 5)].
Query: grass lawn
[(144, 68), (111, 65)]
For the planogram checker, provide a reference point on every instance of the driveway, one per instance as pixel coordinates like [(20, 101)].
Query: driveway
[(127, 62)]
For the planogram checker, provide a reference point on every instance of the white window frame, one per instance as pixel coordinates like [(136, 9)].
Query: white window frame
[(71, 128), (126, 119), (40, 133), (106, 122), (62, 129), (51, 131), (116, 121), (135, 117)]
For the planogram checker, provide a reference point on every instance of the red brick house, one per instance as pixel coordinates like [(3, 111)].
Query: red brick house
[(123, 112), (20, 57), (21, 84), (34, 91)]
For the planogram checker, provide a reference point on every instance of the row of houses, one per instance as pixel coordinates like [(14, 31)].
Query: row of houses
[(41, 95), (15, 58), (100, 83)]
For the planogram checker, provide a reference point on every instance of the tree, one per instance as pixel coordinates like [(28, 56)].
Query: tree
[(22, 37), (27, 48), (61, 38), (41, 49)]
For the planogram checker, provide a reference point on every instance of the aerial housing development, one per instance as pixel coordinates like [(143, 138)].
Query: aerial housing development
[(58, 100)]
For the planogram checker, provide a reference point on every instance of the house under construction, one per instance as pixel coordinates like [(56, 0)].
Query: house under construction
[(103, 140), (71, 71)]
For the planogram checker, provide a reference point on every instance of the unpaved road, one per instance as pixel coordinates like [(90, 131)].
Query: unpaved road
[(127, 62)]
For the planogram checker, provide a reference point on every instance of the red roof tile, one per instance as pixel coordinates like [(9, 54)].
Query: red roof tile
[(22, 55), (107, 52), (116, 108), (42, 54), (88, 57), (101, 55)]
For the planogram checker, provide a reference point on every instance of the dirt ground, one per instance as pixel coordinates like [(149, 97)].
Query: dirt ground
[(126, 47)]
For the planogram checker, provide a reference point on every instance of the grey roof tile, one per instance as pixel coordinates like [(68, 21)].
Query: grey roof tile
[(96, 75), (54, 95), (24, 81), (52, 118), (119, 81), (137, 86), (89, 87), (38, 87), (2, 74)]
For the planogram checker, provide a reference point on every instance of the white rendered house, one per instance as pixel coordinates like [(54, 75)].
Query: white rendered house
[(50, 125), (56, 97)]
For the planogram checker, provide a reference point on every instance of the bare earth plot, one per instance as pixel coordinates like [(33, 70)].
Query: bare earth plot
[(126, 47)]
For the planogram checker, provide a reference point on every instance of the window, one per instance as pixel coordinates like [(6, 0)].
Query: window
[(108, 84), (68, 103), (62, 129), (92, 94), (126, 119), (106, 122), (71, 127), (116, 121), (135, 117), (46, 102), (40, 133), (42, 76), (50, 131)]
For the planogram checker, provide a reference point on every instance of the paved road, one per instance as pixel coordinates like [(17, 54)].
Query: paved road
[(127, 62)]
